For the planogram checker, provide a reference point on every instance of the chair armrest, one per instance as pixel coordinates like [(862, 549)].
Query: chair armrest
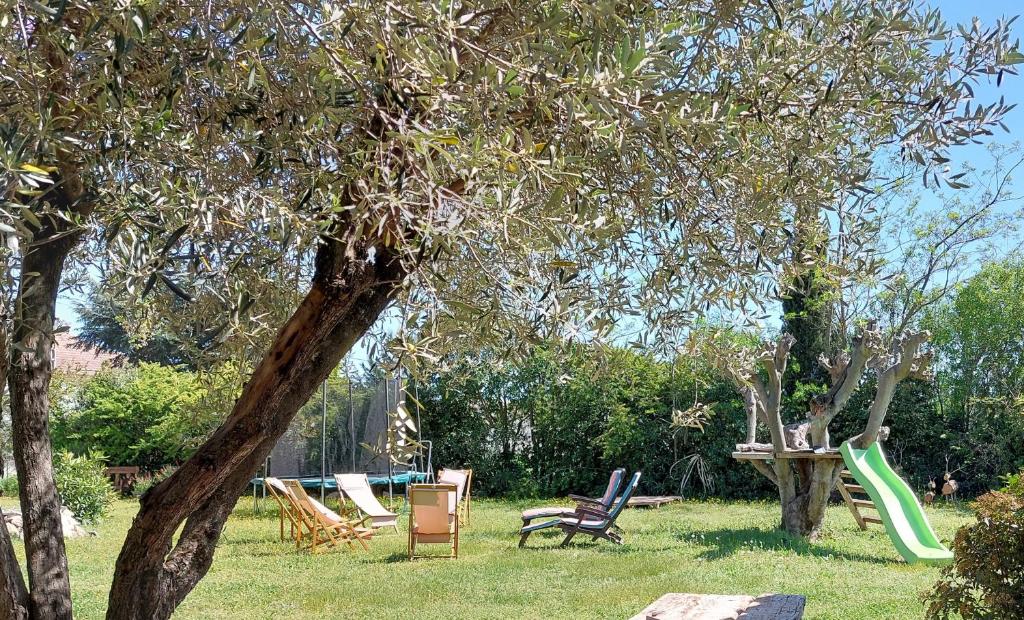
[(597, 513)]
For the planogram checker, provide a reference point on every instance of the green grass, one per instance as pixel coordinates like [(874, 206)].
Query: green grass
[(704, 547)]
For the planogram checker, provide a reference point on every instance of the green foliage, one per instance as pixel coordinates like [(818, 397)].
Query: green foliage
[(102, 319), (148, 416), (985, 580), (9, 486), (82, 486), (979, 340), (147, 482), (561, 420)]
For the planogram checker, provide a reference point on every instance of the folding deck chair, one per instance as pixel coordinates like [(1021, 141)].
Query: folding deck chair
[(431, 519), (287, 507), (588, 520), (325, 526), (462, 479), (357, 488), (605, 501)]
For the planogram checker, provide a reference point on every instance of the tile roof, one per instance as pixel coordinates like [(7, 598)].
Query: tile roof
[(70, 358)]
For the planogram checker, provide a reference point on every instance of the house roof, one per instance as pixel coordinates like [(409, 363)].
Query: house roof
[(69, 357)]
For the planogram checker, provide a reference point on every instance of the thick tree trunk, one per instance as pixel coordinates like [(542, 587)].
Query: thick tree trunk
[(805, 493), (348, 293), (29, 382)]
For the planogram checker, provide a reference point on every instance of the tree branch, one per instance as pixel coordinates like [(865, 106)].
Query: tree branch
[(905, 360), (774, 363), (766, 471), (847, 371)]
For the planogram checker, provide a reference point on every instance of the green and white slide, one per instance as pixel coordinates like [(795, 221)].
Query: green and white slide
[(904, 519)]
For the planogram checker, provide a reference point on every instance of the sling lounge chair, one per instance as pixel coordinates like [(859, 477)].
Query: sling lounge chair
[(287, 508), (605, 501), (462, 479), (589, 520), (325, 526), (430, 517), (357, 488)]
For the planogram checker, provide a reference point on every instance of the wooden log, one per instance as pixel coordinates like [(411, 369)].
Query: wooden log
[(652, 501)]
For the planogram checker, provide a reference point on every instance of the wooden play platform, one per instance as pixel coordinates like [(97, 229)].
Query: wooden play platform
[(675, 606), (652, 501), (766, 455)]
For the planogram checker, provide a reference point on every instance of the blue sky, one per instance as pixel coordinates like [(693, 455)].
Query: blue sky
[(1012, 88), (954, 11)]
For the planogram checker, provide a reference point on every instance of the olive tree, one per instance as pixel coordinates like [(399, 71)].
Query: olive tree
[(491, 170), (806, 483)]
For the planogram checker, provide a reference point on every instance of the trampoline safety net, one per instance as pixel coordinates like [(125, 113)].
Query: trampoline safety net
[(356, 414)]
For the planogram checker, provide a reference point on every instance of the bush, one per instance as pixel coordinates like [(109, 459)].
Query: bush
[(985, 580), (9, 486), (147, 416), (82, 486), (148, 482)]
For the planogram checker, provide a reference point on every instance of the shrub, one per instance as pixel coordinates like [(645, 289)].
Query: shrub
[(9, 486), (148, 482), (147, 416), (985, 580), (82, 486)]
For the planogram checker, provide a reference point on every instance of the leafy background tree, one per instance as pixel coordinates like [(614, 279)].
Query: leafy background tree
[(148, 416)]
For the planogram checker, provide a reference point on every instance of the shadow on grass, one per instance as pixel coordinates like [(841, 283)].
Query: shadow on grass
[(725, 542)]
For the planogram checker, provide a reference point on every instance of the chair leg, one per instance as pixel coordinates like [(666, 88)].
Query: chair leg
[(568, 538), (522, 541)]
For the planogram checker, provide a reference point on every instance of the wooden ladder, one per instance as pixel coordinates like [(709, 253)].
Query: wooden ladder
[(847, 487)]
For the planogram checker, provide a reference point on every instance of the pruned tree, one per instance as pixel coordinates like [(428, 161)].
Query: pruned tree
[(492, 170), (805, 484)]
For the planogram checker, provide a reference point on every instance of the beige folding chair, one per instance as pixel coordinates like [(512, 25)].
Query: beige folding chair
[(325, 526), (430, 518), (357, 488), (462, 479), (287, 507)]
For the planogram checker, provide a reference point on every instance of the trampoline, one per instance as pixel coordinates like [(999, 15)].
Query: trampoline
[(329, 484)]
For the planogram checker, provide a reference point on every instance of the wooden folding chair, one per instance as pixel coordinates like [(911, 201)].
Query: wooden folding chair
[(325, 526), (462, 479), (287, 508), (605, 501), (431, 519)]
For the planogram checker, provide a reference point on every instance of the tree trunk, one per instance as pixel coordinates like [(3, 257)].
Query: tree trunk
[(29, 382), (14, 603), (348, 293), (13, 593), (804, 488)]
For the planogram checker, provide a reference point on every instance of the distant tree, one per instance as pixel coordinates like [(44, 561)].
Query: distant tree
[(979, 342), (103, 325)]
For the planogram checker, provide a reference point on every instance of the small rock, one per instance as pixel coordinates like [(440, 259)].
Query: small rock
[(72, 528)]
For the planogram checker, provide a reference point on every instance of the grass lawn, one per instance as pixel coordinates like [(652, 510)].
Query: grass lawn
[(702, 547)]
